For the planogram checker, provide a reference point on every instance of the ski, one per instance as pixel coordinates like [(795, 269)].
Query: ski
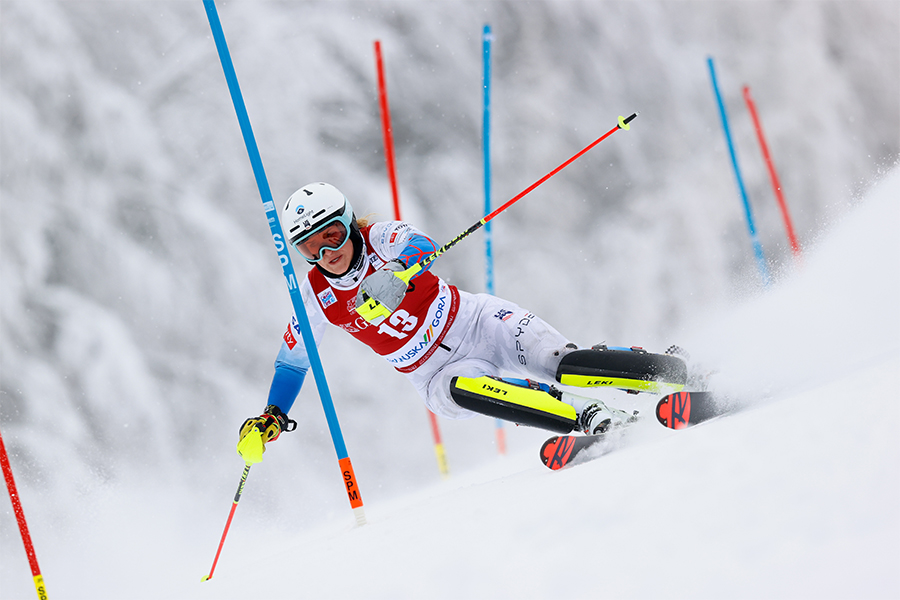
[(685, 409), (560, 450), (564, 450), (675, 411)]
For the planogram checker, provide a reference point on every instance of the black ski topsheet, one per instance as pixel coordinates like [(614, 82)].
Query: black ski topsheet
[(684, 409)]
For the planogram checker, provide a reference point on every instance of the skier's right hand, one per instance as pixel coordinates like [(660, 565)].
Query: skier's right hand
[(256, 431), (382, 292)]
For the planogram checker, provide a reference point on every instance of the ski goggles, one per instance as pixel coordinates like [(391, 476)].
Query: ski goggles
[(332, 236)]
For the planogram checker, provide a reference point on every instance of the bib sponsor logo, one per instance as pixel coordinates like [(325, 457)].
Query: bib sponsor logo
[(359, 323), (427, 338), (327, 298), (289, 338)]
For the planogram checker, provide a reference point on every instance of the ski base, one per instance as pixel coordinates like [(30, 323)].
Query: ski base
[(565, 450), (560, 450), (685, 409)]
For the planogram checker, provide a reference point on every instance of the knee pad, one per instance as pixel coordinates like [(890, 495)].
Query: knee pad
[(514, 402), (634, 370)]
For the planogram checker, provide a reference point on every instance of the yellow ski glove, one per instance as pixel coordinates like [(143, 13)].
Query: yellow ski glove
[(256, 431)]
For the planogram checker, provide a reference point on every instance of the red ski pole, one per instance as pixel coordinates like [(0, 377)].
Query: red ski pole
[(372, 309), (23, 526), (237, 498)]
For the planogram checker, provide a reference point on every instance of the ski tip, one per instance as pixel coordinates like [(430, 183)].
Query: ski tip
[(205, 578), (548, 448), (674, 410), (556, 452)]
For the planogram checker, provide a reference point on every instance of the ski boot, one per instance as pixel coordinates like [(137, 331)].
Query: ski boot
[(597, 418)]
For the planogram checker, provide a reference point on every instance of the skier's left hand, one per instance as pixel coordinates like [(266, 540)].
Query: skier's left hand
[(386, 288)]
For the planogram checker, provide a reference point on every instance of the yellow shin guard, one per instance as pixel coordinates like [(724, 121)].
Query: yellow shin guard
[(510, 402)]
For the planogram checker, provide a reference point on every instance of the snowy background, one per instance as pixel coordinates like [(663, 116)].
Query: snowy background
[(141, 303)]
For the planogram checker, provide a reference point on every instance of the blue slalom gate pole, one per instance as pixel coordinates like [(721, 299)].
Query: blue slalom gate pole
[(486, 39), (284, 258), (754, 238), (486, 142)]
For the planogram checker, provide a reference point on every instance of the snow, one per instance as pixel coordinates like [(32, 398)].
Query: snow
[(141, 305), (794, 496)]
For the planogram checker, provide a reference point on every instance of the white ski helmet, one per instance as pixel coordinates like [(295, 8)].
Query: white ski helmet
[(315, 218)]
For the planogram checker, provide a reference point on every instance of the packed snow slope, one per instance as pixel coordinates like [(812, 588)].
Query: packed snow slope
[(793, 496), (141, 304)]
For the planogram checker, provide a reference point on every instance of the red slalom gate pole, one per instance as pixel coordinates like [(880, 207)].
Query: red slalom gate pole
[(20, 519), (439, 453), (392, 176), (386, 128), (776, 185)]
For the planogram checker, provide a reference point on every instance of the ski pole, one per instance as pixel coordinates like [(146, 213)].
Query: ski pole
[(23, 526), (372, 309), (237, 498)]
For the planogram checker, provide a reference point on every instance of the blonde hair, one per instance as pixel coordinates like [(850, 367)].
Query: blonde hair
[(364, 221)]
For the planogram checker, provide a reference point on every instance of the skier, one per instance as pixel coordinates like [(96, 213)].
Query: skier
[(453, 346)]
